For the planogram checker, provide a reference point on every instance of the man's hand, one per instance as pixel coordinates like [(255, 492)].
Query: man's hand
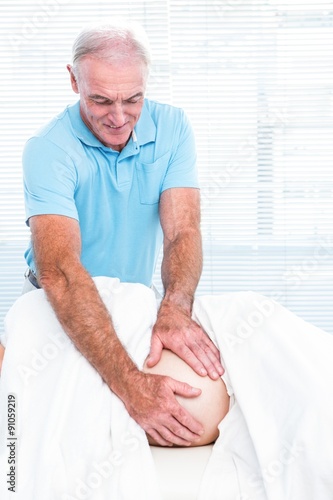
[(175, 330), (151, 401)]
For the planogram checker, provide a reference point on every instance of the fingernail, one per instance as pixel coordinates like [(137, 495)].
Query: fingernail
[(203, 371), (215, 374)]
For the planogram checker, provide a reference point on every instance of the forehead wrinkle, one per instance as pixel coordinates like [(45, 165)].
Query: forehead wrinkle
[(111, 89), (90, 66), (109, 83)]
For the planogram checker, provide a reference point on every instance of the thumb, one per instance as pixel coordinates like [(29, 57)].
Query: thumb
[(155, 352), (184, 389)]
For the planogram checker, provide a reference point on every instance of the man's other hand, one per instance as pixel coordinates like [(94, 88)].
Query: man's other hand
[(151, 401), (176, 331)]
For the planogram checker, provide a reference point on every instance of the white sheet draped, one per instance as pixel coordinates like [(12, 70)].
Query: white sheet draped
[(76, 441)]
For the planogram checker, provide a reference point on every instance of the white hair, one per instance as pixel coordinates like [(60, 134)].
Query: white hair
[(114, 41)]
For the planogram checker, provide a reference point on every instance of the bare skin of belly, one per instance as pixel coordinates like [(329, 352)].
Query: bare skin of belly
[(209, 408)]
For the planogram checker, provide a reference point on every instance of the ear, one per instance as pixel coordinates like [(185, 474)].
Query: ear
[(74, 83)]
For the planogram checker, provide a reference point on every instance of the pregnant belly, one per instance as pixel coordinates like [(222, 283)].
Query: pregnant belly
[(209, 408)]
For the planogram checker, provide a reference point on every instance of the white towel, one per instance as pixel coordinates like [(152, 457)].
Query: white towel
[(76, 441), (276, 442)]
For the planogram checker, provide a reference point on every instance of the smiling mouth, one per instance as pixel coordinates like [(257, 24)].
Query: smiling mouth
[(113, 127)]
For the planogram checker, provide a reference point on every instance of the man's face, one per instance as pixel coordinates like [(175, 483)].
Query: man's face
[(111, 97)]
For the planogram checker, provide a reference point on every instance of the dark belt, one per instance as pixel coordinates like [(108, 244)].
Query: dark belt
[(32, 278)]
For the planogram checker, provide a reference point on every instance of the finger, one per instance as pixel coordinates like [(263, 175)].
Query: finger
[(155, 352), (199, 352), (177, 434), (214, 360), (183, 389), (158, 438), (192, 427), (186, 353), (208, 359), (206, 343), (206, 352), (170, 439), (210, 344), (173, 433)]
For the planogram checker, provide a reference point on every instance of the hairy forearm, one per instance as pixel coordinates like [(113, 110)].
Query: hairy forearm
[(87, 322), (181, 268)]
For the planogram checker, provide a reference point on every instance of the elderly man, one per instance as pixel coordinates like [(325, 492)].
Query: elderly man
[(106, 182)]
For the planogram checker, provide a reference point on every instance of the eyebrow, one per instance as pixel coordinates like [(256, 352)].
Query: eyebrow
[(97, 96)]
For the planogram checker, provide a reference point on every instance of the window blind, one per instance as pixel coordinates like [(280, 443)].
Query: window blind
[(256, 79)]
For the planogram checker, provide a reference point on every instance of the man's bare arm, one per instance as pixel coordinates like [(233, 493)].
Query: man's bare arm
[(181, 270), (81, 312), (182, 259)]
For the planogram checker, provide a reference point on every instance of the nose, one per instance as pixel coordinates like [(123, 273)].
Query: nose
[(116, 114)]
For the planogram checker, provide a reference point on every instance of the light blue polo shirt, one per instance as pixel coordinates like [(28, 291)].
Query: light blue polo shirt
[(114, 196)]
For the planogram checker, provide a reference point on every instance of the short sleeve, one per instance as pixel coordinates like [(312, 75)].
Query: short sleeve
[(50, 178), (182, 169)]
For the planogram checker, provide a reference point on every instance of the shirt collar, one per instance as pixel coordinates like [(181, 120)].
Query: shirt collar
[(145, 129), (80, 128)]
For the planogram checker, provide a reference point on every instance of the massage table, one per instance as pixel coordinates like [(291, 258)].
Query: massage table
[(180, 470)]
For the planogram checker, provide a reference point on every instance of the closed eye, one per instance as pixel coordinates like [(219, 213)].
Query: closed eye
[(135, 98), (99, 101), (133, 101), (107, 102)]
